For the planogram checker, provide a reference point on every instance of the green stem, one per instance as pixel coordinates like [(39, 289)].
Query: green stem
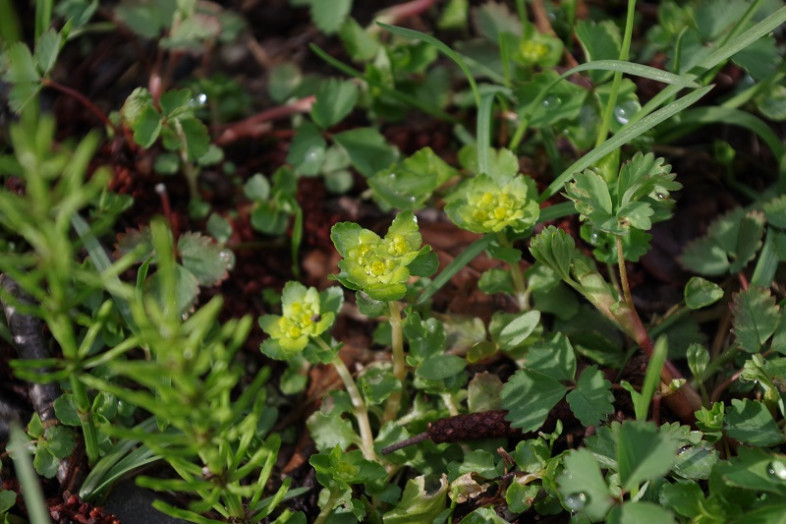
[(518, 277), (328, 507), (399, 363), (685, 401), (82, 402), (617, 79), (358, 407)]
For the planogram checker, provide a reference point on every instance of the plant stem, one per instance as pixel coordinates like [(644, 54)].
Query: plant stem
[(328, 507), (685, 401), (399, 363), (517, 276), (358, 407), (82, 99), (617, 79)]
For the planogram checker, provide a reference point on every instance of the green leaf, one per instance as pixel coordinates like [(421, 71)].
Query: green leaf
[(45, 462), (66, 411), (196, 136), (484, 392), (700, 293), (554, 357), (60, 440), (591, 401), (257, 188), (425, 264), (204, 258), (563, 102), (35, 428), (146, 127), (529, 396), (46, 50), (307, 150), (636, 512), (283, 79), (555, 249), (175, 103), (698, 358), (331, 430), (775, 209), (592, 199), (334, 98), (359, 43), (750, 422), (600, 41), (730, 243), (410, 183), (684, 498), (367, 148), (418, 505), (21, 68), (495, 280), (753, 469), (643, 453), (328, 16), (518, 329), (440, 367), (377, 384), (7, 500), (582, 486), (755, 318)]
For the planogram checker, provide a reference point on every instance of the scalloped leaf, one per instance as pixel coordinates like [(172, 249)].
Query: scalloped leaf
[(756, 317), (202, 256)]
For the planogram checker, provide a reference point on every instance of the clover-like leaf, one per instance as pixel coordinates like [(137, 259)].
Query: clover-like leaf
[(555, 249), (334, 99), (201, 255), (583, 487), (756, 317), (644, 453), (591, 401), (529, 396), (410, 183)]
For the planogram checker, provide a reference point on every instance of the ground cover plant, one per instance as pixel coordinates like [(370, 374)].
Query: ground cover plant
[(425, 261)]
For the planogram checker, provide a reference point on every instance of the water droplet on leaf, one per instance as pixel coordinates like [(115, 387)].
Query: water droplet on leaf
[(551, 102), (576, 501), (777, 469), (198, 100)]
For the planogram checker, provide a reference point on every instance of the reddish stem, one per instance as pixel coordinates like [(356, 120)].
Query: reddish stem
[(396, 13), (82, 99), (251, 125)]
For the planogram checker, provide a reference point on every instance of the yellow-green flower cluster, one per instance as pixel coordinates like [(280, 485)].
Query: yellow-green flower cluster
[(377, 265), (484, 204), (302, 318)]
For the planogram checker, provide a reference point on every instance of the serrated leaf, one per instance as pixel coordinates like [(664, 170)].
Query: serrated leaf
[(45, 462), (330, 430), (361, 45), (583, 484), (66, 411), (750, 470), (46, 50), (417, 504), (755, 318), (410, 183), (729, 245), (367, 148), (700, 293), (203, 257), (600, 41), (554, 357), (307, 150), (684, 498), (775, 211), (176, 102), (334, 99), (591, 401), (643, 453), (555, 249), (529, 396), (21, 66), (328, 16), (592, 199), (750, 422)]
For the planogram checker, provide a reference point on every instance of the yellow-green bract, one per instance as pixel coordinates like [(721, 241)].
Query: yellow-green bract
[(303, 316), (484, 204), (377, 265)]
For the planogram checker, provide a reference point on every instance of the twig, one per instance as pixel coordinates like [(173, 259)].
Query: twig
[(251, 126), (82, 99)]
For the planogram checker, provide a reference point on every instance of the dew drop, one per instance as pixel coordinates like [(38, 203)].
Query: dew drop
[(625, 111), (411, 199), (660, 196), (198, 100), (576, 501), (551, 102), (594, 237), (777, 469), (392, 176)]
